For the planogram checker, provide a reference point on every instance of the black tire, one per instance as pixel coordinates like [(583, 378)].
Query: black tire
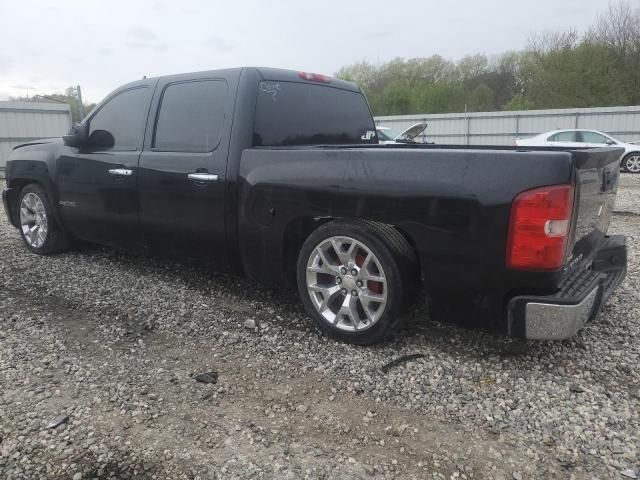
[(627, 165), (405, 254), (398, 261), (56, 240)]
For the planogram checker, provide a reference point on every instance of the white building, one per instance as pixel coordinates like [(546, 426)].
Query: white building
[(24, 121), (502, 128)]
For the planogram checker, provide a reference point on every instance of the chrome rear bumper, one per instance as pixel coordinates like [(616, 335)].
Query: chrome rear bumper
[(546, 321), (580, 298)]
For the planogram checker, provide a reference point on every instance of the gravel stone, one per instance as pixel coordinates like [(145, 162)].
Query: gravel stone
[(57, 421), (206, 377)]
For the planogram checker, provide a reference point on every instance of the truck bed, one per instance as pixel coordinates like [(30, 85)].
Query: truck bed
[(451, 202)]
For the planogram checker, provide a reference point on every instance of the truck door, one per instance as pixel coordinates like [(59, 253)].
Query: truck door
[(97, 182), (181, 184)]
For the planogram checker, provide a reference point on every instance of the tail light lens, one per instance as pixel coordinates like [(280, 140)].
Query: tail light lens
[(539, 228)]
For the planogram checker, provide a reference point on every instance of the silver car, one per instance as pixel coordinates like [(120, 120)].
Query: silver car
[(629, 161)]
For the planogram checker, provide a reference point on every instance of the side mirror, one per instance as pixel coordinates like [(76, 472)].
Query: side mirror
[(101, 139), (610, 142), (77, 137)]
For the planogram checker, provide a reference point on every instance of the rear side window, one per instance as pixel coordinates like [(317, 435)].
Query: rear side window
[(123, 116), (563, 137), (289, 113), (191, 116)]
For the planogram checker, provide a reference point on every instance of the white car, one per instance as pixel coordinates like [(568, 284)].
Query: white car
[(387, 136), (630, 160)]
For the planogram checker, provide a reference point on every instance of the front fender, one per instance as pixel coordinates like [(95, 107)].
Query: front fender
[(9, 200), (23, 172)]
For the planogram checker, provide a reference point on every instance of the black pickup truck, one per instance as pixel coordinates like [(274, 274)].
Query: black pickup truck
[(279, 175)]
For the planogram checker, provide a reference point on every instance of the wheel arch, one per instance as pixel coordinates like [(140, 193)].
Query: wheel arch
[(298, 230), (294, 235), (16, 184)]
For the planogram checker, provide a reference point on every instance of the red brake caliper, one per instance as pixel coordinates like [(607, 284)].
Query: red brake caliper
[(375, 287)]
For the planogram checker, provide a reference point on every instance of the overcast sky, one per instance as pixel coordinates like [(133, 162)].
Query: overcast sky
[(46, 46)]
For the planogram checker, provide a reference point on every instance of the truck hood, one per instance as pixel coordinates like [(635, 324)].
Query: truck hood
[(41, 141)]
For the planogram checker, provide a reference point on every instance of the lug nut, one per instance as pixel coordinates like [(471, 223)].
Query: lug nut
[(338, 280), (359, 283), (354, 293), (354, 272), (343, 291), (343, 271)]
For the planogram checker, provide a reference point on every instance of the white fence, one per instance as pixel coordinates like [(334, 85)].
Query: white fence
[(24, 121), (502, 128)]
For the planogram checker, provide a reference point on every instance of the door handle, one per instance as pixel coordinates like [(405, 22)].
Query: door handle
[(121, 172), (203, 177)]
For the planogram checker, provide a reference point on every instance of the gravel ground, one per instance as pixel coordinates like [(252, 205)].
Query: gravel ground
[(108, 344)]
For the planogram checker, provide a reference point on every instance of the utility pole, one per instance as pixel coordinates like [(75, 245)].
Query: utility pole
[(466, 122), (80, 106)]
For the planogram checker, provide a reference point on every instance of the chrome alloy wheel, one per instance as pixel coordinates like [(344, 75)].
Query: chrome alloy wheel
[(632, 163), (346, 283), (33, 220)]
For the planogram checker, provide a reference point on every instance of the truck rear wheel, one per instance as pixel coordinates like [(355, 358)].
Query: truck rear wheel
[(355, 279), (38, 227)]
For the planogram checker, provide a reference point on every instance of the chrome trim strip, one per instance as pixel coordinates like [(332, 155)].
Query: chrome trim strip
[(203, 177), (121, 172)]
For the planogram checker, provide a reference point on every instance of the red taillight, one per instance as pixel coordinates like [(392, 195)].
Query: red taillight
[(314, 77), (539, 228)]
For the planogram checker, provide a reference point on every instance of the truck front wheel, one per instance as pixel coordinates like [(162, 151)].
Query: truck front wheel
[(37, 224), (355, 279)]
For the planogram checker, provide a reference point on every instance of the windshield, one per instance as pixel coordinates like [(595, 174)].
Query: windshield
[(617, 140)]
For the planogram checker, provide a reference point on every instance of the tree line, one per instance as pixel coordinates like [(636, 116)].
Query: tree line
[(597, 68), (69, 97)]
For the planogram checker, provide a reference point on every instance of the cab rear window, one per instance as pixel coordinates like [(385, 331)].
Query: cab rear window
[(290, 113)]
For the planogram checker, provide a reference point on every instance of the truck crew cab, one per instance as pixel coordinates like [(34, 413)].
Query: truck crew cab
[(279, 174)]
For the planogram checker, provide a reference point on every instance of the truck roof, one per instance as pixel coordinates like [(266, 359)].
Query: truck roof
[(272, 74), (283, 75)]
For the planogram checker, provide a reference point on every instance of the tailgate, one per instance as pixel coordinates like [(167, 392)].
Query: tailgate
[(596, 175)]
